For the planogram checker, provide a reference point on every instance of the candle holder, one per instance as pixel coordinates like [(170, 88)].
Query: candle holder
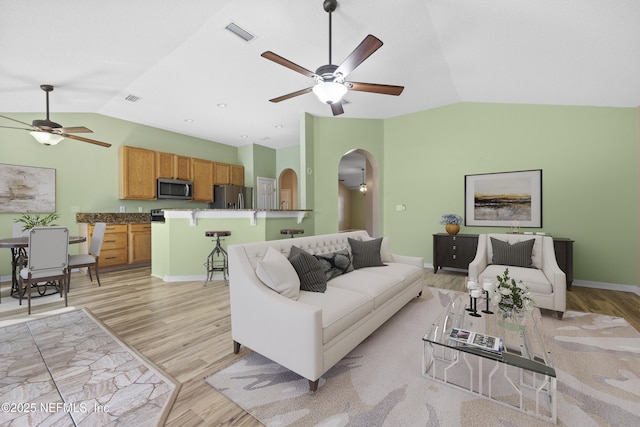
[(486, 296), (474, 294)]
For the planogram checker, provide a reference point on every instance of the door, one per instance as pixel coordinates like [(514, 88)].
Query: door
[(266, 193)]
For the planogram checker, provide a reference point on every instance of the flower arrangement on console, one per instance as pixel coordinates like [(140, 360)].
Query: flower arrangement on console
[(451, 219), (511, 297)]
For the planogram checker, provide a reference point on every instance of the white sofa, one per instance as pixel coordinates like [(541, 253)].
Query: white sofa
[(311, 334), (544, 279)]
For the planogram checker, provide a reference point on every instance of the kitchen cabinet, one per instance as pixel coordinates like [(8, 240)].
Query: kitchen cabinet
[(237, 174), (202, 174), (137, 173), (173, 166), (139, 244), (221, 173), (114, 245)]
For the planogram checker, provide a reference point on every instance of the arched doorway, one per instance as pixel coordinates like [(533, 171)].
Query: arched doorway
[(357, 209), (288, 189)]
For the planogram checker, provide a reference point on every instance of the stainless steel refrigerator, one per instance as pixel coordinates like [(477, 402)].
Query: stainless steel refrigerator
[(232, 197)]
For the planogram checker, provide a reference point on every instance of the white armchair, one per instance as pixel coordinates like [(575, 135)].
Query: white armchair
[(545, 280)]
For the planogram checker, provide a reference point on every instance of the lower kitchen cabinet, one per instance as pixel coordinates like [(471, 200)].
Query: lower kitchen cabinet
[(139, 243), (123, 244)]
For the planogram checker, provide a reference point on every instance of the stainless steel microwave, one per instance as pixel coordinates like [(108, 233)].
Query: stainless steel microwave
[(174, 189)]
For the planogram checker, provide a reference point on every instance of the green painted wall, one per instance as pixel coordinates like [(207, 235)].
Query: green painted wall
[(589, 159), (331, 139)]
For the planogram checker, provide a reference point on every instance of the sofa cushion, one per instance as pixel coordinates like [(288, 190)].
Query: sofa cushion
[(405, 272), (308, 269), (341, 309), (385, 249), (517, 254), (275, 271), (380, 287), (366, 253), (535, 279), (335, 264)]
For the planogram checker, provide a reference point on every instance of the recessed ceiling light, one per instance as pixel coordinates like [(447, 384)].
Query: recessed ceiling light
[(222, 105), (279, 126)]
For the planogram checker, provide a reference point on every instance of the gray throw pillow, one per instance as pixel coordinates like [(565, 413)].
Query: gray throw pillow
[(366, 254), (309, 270), (335, 264), (516, 255)]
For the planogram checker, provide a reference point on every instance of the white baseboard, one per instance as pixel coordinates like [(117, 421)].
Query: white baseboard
[(578, 282)]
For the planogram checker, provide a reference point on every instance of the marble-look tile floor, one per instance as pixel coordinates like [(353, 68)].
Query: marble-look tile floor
[(68, 369)]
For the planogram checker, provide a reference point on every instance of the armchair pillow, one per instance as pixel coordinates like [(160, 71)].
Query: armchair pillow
[(516, 255), (275, 271)]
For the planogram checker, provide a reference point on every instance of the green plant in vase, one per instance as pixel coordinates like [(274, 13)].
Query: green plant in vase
[(36, 220)]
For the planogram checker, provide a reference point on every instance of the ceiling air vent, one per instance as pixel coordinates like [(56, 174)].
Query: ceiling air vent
[(240, 32), (132, 98)]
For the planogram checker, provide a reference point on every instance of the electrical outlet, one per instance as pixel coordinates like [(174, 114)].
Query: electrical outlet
[(401, 208)]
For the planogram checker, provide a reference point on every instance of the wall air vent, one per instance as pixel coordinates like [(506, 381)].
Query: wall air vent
[(132, 98), (240, 32)]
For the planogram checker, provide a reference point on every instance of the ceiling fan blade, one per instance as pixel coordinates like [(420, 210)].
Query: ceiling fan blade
[(375, 88), (336, 108), (90, 141), (291, 95), (286, 63), (364, 50), (75, 129), (13, 127), (18, 121)]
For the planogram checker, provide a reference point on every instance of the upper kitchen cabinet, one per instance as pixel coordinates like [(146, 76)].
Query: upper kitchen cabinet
[(224, 173), (173, 166), (221, 173), (137, 173), (202, 174), (237, 174)]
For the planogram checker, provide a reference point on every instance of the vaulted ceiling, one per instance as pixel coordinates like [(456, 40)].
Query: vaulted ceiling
[(193, 76)]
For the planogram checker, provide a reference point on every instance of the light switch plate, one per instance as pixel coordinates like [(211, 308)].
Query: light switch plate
[(401, 207)]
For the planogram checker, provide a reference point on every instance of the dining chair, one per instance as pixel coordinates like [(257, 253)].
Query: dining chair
[(90, 259), (47, 260)]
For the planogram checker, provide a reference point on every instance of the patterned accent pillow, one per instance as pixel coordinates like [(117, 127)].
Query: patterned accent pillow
[(335, 264), (366, 254), (516, 255), (309, 270)]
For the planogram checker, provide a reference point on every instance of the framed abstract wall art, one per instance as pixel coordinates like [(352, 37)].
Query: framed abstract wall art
[(27, 189), (504, 199)]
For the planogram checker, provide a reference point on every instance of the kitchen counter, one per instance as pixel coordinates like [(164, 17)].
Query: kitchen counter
[(179, 246), (113, 218)]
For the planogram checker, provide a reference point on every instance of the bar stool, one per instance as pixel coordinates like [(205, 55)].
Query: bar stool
[(292, 231), (217, 259)]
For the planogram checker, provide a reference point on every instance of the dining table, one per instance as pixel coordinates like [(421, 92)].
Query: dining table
[(19, 246)]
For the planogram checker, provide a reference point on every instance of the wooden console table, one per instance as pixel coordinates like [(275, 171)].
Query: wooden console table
[(459, 251)]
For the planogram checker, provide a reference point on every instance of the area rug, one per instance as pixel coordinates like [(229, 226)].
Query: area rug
[(597, 360), (70, 369)]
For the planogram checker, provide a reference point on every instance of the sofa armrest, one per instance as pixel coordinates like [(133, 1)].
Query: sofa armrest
[(286, 331), (480, 262), (412, 260)]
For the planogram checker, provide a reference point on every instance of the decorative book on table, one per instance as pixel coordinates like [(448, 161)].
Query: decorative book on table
[(482, 341)]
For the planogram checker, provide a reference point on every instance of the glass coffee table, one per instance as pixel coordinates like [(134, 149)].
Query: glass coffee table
[(520, 374)]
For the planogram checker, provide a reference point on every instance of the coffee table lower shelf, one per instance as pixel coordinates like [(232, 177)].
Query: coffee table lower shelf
[(533, 393)]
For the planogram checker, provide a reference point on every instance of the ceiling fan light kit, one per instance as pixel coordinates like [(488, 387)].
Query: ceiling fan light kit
[(46, 138), (330, 81)]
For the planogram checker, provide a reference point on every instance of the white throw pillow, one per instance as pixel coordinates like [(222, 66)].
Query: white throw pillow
[(276, 272)]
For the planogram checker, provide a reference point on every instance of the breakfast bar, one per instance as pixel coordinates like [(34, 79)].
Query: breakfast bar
[(179, 245)]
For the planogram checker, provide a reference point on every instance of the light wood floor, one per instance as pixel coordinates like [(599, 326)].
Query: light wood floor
[(185, 329)]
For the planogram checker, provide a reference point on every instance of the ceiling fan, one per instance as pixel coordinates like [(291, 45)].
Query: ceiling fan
[(330, 80), (47, 132)]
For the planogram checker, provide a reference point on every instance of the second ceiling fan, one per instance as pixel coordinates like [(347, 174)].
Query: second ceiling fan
[(330, 80)]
